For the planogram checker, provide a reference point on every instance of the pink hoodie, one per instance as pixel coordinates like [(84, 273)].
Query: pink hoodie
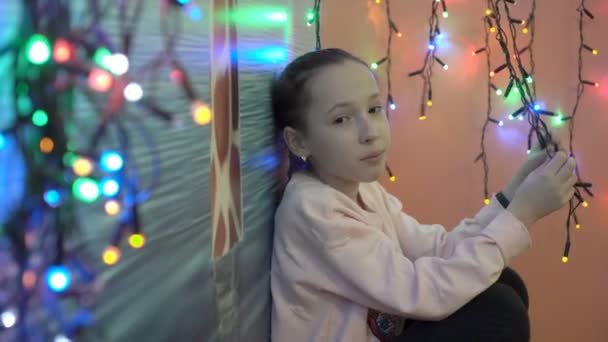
[(333, 260)]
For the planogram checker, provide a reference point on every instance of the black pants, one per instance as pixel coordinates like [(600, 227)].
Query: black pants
[(499, 314)]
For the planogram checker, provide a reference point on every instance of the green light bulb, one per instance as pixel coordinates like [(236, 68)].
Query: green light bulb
[(100, 55), (40, 118), (38, 49), (85, 190)]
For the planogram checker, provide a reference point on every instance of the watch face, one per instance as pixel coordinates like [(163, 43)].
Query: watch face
[(12, 177)]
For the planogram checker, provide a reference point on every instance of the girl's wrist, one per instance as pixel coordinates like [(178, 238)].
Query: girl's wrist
[(508, 192), (503, 199)]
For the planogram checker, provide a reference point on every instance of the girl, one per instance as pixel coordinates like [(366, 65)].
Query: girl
[(349, 265)]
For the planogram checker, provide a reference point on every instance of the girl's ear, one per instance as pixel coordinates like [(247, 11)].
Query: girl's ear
[(295, 142)]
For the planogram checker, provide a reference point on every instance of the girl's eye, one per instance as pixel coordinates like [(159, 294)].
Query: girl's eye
[(340, 120), (375, 110)]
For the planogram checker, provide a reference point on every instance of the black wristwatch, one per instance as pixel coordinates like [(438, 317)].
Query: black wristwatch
[(502, 199)]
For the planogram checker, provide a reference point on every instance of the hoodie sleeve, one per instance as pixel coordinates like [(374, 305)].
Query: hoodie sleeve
[(349, 258), (418, 240)]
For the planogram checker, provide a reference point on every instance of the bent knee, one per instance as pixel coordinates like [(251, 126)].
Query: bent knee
[(504, 297), (514, 280), (505, 308)]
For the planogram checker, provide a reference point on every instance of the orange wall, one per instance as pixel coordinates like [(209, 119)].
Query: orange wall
[(433, 159)]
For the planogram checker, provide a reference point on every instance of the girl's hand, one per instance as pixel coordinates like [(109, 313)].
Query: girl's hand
[(545, 190), (535, 159)]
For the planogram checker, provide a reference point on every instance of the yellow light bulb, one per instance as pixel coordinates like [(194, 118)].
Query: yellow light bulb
[(585, 204), (137, 240), (422, 117), (111, 255), (595, 52), (578, 226), (525, 30), (82, 167), (492, 73), (429, 103), (377, 1), (488, 11), (492, 29), (201, 113), (393, 178), (112, 207), (486, 201), (564, 259)]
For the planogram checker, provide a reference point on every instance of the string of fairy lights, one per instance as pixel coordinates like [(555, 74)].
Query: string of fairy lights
[(314, 18), (390, 102), (483, 156), (426, 71), (498, 23), (582, 83), (528, 26), (53, 62), (519, 81), (388, 59)]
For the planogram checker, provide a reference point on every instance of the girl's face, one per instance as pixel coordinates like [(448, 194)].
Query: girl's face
[(346, 124)]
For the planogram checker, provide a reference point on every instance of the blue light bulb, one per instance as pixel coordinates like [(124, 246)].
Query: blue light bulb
[(52, 198), (58, 278), (111, 161), (110, 187), (195, 13)]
